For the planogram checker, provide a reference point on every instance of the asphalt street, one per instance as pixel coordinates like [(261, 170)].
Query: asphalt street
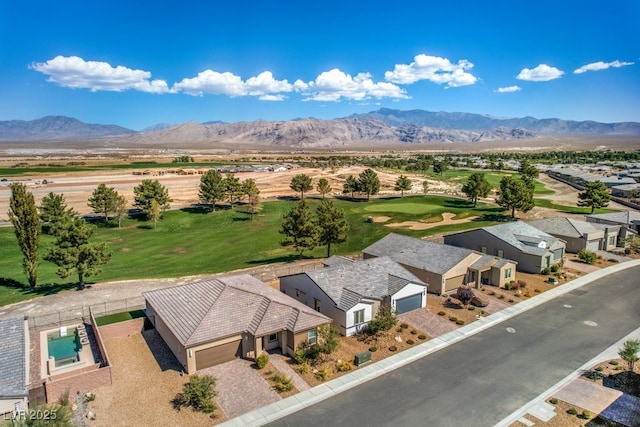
[(481, 380)]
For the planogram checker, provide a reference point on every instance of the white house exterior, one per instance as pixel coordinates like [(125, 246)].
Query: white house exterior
[(351, 292)]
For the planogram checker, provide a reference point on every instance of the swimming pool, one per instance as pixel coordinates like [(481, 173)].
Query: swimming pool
[(64, 349)]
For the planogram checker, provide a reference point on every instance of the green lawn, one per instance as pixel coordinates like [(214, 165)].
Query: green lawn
[(544, 203), (493, 177), (189, 242), (119, 317)]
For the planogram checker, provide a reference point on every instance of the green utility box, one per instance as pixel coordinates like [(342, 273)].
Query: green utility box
[(362, 358)]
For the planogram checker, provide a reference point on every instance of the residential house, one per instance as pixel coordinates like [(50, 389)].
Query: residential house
[(443, 267), (217, 320), (351, 292), (629, 222), (14, 365), (579, 235), (626, 191), (533, 249)]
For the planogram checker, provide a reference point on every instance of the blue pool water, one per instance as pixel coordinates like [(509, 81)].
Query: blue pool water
[(64, 349)]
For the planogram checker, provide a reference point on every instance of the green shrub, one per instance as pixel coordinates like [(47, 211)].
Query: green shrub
[(422, 337), (89, 396), (197, 393), (301, 355), (537, 290), (262, 360), (546, 271), (572, 411), (453, 318), (599, 369), (410, 342), (507, 286), (393, 348), (323, 373), (586, 415), (459, 322), (613, 260), (414, 332), (385, 319), (441, 313), (373, 349), (471, 308), (587, 256), (344, 366), (282, 383), (482, 312), (511, 300), (303, 368), (554, 268), (404, 326), (553, 401), (500, 296), (613, 362)]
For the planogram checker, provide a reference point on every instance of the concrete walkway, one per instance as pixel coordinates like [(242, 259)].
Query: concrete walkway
[(281, 364), (334, 387)]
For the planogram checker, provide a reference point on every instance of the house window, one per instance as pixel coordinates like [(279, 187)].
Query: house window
[(499, 253), (273, 337), (483, 249), (358, 317), (547, 261), (312, 337), (316, 304), (612, 240), (507, 273)]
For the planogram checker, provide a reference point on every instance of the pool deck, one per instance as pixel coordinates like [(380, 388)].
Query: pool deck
[(85, 355)]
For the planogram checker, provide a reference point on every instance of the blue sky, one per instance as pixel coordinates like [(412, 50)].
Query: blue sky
[(136, 64)]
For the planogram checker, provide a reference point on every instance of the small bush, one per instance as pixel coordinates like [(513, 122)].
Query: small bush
[(500, 296), (599, 369), (262, 360), (471, 308), (410, 342), (482, 312), (453, 318), (572, 411), (613, 362), (414, 332), (587, 256), (301, 355), (344, 366), (303, 368), (404, 326), (399, 330), (492, 293), (393, 348), (586, 415), (441, 313), (459, 322), (553, 401), (323, 373), (546, 271), (537, 290), (422, 337), (197, 393), (613, 260), (373, 349), (507, 286), (522, 284), (554, 268), (618, 368), (511, 300), (282, 383), (89, 396)]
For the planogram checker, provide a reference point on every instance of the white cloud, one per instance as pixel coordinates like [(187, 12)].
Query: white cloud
[(542, 73), (212, 82), (333, 85), (598, 66), (433, 68), (508, 89), (75, 72)]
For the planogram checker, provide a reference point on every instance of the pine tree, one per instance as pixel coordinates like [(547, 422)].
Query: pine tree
[(149, 190), (402, 184), (350, 186), (212, 188), (301, 183), (53, 209), (299, 228), (595, 195), (23, 214), (232, 188), (332, 224), (476, 186), (104, 200), (323, 186), (515, 194), (250, 189), (368, 182)]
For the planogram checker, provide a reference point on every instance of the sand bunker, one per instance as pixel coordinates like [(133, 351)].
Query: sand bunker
[(447, 218)]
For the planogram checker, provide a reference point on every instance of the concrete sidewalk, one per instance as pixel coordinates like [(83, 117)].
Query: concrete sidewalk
[(334, 387)]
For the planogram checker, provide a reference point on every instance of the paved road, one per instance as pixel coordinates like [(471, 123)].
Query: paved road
[(484, 378)]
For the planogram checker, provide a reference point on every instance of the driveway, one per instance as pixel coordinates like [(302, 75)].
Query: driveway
[(240, 387)]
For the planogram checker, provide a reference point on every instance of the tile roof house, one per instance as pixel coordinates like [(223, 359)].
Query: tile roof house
[(629, 222), (533, 249), (443, 267), (351, 292), (217, 320), (14, 365), (579, 235)]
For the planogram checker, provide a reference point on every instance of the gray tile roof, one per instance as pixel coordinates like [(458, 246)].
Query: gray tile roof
[(13, 354), (226, 306), (374, 278), (624, 217), (429, 256), (523, 236), (335, 260), (561, 226)]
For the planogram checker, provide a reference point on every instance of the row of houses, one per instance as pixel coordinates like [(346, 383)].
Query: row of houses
[(623, 184)]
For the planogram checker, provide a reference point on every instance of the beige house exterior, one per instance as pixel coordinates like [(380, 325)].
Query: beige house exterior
[(579, 235), (214, 321)]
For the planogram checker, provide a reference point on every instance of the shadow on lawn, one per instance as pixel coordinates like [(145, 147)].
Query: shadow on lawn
[(43, 289), (283, 258)]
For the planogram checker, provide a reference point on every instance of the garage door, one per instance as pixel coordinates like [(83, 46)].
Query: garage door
[(408, 303), (219, 354), (593, 245)]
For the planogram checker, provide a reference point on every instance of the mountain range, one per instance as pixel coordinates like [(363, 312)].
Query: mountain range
[(383, 126)]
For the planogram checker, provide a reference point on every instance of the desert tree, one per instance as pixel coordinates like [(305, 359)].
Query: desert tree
[(595, 195), (440, 167), (154, 212), (212, 188), (251, 190), (515, 194), (476, 186), (198, 393), (465, 294), (332, 224), (368, 182), (73, 252), (301, 183), (629, 352), (23, 214), (402, 184), (119, 209), (299, 228), (104, 200), (384, 320), (425, 186), (232, 188), (149, 190), (323, 186), (53, 209), (350, 186), (528, 170)]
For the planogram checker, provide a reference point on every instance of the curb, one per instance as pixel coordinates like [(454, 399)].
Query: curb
[(299, 401)]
